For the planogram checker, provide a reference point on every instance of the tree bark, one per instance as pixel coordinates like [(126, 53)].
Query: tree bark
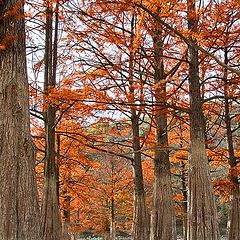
[(112, 204), (234, 212), (66, 234), (51, 221), (184, 204), (140, 228), (66, 218), (163, 222), (18, 192), (202, 212), (234, 216), (112, 223)]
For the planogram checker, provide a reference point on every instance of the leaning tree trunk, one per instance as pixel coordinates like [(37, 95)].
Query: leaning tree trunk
[(234, 213), (163, 222), (202, 212), (18, 192), (50, 213)]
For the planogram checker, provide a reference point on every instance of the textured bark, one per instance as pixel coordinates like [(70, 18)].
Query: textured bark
[(202, 212), (140, 229), (50, 213), (184, 204), (234, 216), (112, 205), (234, 213), (18, 192), (67, 199), (162, 219), (112, 223), (65, 228), (163, 223), (66, 218)]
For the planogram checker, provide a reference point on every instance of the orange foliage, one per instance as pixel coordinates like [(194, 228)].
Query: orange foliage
[(95, 94)]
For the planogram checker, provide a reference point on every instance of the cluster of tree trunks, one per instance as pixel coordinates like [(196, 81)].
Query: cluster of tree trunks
[(50, 213), (18, 192)]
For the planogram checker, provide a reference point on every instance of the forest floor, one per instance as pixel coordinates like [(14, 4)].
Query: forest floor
[(122, 238)]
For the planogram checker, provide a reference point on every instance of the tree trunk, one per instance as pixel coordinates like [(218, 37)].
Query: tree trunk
[(183, 166), (51, 222), (67, 199), (184, 204), (234, 216), (163, 222), (112, 223), (112, 205), (162, 219), (234, 212), (140, 229), (202, 212), (66, 218), (18, 192)]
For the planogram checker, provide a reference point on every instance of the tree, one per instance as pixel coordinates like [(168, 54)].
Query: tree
[(139, 70), (50, 212), (228, 90), (104, 67), (163, 213), (229, 41), (18, 193), (202, 212)]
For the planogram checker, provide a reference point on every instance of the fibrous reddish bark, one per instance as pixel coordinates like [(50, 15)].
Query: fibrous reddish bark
[(202, 211), (18, 192), (163, 213)]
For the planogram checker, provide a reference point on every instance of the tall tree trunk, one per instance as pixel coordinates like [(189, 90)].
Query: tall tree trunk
[(66, 234), (163, 222), (112, 204), (112, 222), (202, 212), (183, 167), (140, 229), (140, 216), (234, 213), (18, 192), (51, 222), (184, 204), (66, 217)]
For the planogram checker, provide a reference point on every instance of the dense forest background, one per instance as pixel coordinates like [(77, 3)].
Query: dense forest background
[(134, 115)]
